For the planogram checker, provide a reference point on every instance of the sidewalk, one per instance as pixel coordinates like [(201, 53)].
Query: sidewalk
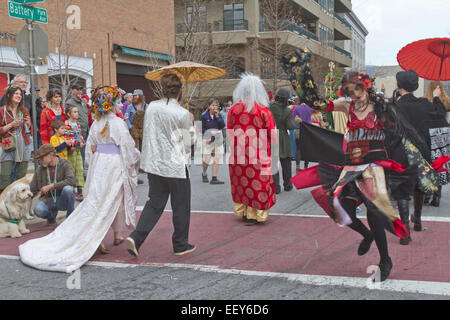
[(286, 244)]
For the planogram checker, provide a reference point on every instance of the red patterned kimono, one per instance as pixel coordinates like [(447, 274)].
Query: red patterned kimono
[(250, 136)]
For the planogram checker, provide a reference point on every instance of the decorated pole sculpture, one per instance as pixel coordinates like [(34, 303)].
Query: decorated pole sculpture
[(298, 69), (331, 89)]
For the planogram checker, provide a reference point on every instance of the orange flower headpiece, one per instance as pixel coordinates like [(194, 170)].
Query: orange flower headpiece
[(105, 98)]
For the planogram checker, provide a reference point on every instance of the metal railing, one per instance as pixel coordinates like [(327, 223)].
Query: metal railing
[(289, 26), (344, 52), (184, 28), (345, 22), (231, 25)]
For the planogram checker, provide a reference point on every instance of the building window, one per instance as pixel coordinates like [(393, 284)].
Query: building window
[(312, 27), (331, 6), (237, 68), (326, 35), (233, 17), (196, 18)]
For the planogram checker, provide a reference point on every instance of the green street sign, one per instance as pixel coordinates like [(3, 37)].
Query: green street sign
[(27, 1), (17, 10)]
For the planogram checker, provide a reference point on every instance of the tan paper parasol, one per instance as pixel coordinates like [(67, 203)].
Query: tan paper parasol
[(188, 72)]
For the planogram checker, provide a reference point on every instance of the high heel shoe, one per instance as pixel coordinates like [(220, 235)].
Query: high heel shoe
[(364, 246), (102, 249), (385, 269)]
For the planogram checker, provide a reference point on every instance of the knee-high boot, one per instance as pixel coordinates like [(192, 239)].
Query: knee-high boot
[(403, 208), (436, 197), (418, 204)]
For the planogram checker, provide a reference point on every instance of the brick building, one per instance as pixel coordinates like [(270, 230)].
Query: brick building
[(242, 27), (117, 42)]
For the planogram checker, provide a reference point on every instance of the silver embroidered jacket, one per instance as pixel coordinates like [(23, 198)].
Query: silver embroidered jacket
[(166, 134)]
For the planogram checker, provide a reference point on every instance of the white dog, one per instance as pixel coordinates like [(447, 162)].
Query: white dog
[(27, 180), (13, 210)]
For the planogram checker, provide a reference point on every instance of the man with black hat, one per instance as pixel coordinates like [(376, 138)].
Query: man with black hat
[(283, 119), (420, 114), (54, 181)]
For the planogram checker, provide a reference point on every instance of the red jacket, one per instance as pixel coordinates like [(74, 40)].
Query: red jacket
[(5, 118), (90, 120), (47, 117)]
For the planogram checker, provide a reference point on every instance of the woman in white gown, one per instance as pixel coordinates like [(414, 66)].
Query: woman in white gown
[(109, 195)]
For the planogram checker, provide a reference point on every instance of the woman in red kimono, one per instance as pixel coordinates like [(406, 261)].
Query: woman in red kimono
[(250, 130)]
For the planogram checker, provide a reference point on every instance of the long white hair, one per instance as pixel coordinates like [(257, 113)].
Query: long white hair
[(250, 90)]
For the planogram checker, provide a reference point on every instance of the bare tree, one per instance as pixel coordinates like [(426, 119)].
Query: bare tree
[(277, 17), (66, 44), (194, 42)]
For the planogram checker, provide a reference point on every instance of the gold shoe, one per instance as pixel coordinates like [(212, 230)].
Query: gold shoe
[(131, 247)]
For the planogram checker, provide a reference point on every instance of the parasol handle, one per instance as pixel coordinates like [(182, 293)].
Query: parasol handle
[(442, 63), (187, 96)]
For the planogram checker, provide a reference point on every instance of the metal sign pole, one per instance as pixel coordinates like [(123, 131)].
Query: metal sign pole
[(33, 100)]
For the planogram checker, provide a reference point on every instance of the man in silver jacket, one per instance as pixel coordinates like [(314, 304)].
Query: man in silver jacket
[(166, 133)]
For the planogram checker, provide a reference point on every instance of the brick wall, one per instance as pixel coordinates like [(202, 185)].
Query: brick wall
[(142, 24)]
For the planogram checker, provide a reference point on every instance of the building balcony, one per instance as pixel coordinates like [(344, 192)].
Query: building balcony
[(342, 51), (263, 27), (342, 19), (342, 29), (311, 6), (342, 6), (231, 25), (184, 28)]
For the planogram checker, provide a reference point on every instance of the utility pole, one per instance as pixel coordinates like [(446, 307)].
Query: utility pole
[(31, 67)]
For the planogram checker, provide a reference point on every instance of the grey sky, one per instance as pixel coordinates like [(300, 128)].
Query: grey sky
[(392, 24)]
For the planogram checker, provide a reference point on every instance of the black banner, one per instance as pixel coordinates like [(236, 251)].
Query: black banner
[(321, 145)]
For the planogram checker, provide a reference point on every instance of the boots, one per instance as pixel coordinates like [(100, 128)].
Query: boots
[(418, 204), (436, 198), (403, 208), (427, 199), (385, 268)]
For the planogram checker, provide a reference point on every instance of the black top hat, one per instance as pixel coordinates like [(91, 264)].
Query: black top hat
[(408, 80)]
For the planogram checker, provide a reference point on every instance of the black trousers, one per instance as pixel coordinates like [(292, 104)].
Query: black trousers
[(180, 199), (286, 167)]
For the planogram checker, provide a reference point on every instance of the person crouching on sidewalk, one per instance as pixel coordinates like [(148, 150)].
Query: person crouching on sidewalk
[(54, 181)]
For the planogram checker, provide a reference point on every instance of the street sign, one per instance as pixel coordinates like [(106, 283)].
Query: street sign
[(17, 10), (27, 1), (40, 44)]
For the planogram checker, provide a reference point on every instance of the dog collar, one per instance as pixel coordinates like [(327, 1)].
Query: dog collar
[(10, 219)]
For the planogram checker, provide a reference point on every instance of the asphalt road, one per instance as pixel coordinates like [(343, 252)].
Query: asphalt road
[(110, 281)]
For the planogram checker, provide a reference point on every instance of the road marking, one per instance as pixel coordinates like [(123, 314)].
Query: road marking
[(418, 287), (302, 215)]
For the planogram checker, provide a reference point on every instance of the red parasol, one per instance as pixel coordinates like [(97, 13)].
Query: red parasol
[(429, 58)]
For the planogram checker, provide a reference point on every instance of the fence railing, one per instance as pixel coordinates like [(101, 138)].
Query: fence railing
[(344, 52), (345, 22), (231, 25), (184, 28), (289, 26)]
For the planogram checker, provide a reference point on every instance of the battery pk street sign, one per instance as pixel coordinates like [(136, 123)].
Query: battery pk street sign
[(17, 10), (27, 1)]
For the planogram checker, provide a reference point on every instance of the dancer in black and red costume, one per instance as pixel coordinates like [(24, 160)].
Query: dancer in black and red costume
[(354, 173)]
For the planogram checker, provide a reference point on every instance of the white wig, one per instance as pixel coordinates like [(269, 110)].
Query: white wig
[(249, 91)]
